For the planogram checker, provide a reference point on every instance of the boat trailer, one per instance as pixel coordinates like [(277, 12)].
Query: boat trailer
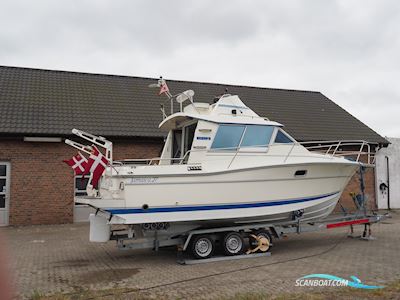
[(260, 237), (247, 240)]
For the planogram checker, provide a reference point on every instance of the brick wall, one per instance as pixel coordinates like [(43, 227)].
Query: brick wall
[(42, 186), (354, 186)]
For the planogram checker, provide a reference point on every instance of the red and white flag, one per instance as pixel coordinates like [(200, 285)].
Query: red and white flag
[(164, 88), (77, 163), (96, 165)]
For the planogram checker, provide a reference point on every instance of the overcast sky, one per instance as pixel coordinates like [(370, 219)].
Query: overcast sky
[(348, 50)]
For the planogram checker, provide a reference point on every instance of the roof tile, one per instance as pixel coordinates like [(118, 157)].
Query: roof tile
[(35, 101)]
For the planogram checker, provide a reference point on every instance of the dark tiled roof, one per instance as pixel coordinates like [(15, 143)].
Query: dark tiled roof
[(45, 102)]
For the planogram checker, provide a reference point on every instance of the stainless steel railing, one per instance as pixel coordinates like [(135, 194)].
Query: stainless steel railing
[(362, 149)]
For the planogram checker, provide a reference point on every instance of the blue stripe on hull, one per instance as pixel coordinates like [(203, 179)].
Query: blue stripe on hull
[(124, 211)]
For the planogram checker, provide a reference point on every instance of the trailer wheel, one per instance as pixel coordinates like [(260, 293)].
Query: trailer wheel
[(202, 246), (233, 243), (261, 234)]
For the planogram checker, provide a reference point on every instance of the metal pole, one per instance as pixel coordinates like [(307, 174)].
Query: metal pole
[(388, 182), (362, 187)]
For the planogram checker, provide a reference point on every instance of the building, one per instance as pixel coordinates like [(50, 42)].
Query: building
[(40, 107), (388, 175)]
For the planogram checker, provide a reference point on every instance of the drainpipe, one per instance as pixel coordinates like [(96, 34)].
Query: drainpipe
[(388, 181), (362, 188)]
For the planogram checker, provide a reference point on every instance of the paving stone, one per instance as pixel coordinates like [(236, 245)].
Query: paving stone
[(59, 258)]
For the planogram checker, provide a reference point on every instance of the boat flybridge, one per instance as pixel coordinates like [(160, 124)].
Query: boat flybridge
[(221, 165)]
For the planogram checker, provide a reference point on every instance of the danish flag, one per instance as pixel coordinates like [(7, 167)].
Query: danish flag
[(96, 165), (77, 163), (164, 88)]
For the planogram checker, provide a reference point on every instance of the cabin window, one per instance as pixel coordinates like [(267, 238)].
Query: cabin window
[(257, 136), (282, 138), (228, 137)]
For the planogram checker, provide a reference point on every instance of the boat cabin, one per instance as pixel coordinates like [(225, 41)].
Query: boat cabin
[(224, 128)]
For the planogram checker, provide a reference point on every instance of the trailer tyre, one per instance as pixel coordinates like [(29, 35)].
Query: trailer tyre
[(202, 246), (233, 243)]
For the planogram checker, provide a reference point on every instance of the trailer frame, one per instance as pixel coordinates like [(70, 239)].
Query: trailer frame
[(135, 238), (277, 230)]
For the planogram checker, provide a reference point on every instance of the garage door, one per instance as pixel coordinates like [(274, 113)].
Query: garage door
[(4, 192)]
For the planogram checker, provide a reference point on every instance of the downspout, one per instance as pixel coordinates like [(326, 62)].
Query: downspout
[(388, 181)]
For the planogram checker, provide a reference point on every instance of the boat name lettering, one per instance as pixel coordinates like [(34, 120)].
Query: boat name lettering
[(204, 138), (142, 180)]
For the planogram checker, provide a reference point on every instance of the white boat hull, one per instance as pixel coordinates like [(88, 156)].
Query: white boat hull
[(261, 194)]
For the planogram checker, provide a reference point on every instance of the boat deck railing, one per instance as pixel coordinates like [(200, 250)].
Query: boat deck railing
[(357, 150)]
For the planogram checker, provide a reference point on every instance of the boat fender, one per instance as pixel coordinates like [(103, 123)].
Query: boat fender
[(100, 229)]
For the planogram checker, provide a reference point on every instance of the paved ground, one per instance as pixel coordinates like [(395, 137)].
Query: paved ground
[(58, 258)]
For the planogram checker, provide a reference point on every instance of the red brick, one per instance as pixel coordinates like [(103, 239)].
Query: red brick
[(42, 186)]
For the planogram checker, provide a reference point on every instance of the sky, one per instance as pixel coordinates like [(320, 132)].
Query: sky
[(348, 50)]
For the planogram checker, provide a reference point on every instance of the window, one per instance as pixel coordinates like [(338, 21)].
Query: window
[(282, 138), (176, 145), (228, 136), (3, 185), (189, 136), (2, 201), (80, 185), (3, 169), (257, 135)]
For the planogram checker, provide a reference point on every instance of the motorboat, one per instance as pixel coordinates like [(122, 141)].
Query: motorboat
[(221, 164)]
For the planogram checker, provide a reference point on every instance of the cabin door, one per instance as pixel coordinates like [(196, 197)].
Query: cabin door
[(4, 192), (176, 146), (189, 135)]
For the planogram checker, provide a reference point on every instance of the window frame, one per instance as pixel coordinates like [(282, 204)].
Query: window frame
[(184, 150), (271, 142), (284, 133), (185, 137), (80, 193), (229, 149), (260, 147)]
